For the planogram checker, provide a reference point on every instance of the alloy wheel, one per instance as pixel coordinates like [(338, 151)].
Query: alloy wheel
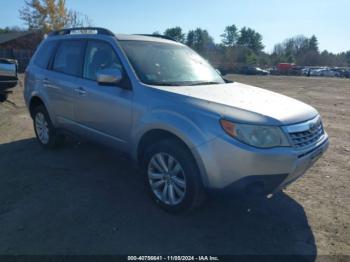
[(41, 127), (167, 179)]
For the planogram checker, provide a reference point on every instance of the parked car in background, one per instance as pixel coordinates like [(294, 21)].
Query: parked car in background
[(324, 71), (329, 72), (8, 76), (315, 71), (305, 71), (284, 67), (343, 72), (274, 71), (252, 70), (291, 69), (159, 101), (287, 69)]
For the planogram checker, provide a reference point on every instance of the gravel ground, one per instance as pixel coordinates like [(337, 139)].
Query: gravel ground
[(85, 199)]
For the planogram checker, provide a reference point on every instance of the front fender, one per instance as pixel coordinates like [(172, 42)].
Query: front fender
[(187, 129)]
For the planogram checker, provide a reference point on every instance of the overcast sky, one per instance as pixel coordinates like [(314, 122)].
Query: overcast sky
[(276, 20)]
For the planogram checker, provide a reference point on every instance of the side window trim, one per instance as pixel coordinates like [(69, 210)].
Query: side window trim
[(53, 55), (60, 42)]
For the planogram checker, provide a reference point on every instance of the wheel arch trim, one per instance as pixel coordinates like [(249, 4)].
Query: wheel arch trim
[(35, 96), (192, 147)]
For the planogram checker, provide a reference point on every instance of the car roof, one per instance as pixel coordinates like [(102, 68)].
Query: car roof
[(119, 37), (140, 37), (99, 32)]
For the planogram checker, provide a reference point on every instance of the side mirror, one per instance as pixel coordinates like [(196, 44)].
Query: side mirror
[(109, 76)]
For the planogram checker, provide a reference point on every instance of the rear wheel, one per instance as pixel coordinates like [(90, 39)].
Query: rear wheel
[(45, 132), (172, 176)]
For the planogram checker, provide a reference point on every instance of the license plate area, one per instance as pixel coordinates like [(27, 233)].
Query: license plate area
[(316, 155)]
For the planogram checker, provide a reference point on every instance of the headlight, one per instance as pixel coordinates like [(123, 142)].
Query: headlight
[(257, 136)]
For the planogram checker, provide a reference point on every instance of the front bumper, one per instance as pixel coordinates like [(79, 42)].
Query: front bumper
[(229, 164), (7, 82), (5, 85)]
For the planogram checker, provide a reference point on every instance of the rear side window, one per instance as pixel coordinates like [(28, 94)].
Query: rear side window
[(69, 58), (44, 54)]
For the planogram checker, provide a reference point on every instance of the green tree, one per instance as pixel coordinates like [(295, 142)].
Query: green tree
[(251, 58), (200, 41), (10, 29), (347, 57), (264, 59), (250, 39), (49, 15), (313, 44), (230, 36), (4, 30), (175, 33)]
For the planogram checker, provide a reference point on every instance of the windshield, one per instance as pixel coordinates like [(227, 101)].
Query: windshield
[(169, 64)]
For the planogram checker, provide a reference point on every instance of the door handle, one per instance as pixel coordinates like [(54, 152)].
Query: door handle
[(48, 83), (81, 91)]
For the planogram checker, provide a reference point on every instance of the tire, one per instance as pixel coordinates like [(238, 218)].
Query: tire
[(3, 97), (45, 132), (185, 190)]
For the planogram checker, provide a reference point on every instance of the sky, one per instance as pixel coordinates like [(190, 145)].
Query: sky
[(276, 20)]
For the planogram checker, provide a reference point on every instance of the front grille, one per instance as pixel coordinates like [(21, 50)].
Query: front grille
[(309, 136)]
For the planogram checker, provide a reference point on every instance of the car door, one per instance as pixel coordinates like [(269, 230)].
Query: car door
[(103, 112), (62, 80)]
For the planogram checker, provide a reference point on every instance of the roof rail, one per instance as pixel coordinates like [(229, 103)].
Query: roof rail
[(159, 36), (68, 31)]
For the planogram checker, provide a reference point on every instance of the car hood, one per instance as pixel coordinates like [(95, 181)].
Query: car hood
[(246, 103)]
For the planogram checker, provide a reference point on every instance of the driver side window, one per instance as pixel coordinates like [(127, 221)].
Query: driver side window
[(99, 55)]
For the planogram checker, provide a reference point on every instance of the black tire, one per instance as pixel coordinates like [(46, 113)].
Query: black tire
[(55, 139), (3, 97), (194, 193)]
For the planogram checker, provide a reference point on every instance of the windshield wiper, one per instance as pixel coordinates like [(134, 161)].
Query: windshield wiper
[(185, 83), (205, 83), (163, 84)]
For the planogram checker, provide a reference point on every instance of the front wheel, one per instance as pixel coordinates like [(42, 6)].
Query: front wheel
[(172, 176), (45, 132)]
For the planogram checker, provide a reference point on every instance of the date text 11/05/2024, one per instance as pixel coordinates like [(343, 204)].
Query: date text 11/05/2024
[(173, 258)]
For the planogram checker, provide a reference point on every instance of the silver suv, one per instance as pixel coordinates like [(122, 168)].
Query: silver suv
[(189, 130)]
